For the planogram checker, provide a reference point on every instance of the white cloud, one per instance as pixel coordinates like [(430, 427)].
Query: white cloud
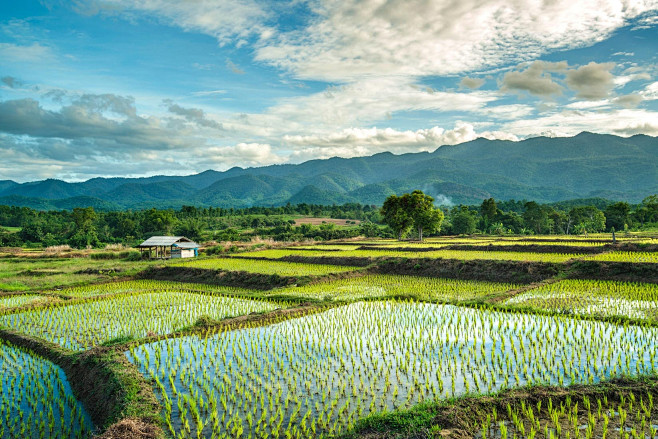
[(229, 21), (242, 154), (570, 123), (354, 39), (472, 83), (592, 81), (535, 79), (366, 141), (650, 92), (34, 53), (367, 101)]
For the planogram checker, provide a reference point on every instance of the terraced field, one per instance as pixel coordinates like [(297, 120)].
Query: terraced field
[(223, 348)]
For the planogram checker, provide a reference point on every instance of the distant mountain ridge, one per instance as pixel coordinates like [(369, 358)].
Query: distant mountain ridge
[(541, 169)]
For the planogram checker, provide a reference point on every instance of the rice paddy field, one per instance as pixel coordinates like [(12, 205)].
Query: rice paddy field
[(316, 375), (381, 286), (15, 300), (594, 297), (465, 255), (266, 267), (88, 324), (219, 347), (37, 401)]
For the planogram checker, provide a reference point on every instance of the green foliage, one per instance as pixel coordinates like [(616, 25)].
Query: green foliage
[(463, 221), (411, 210)]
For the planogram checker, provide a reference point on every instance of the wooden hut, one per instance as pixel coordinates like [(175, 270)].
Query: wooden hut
[(165, 247)]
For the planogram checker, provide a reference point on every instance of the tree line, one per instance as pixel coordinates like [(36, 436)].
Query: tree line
[(411, 215)]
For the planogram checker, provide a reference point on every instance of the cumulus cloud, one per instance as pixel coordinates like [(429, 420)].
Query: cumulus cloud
[(629, 101), (195, 115), (592, 81), (472, 83), (535, 79), (85, 119)]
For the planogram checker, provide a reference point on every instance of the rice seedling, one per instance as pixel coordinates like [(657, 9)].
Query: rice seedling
[(36, 399), (314, 376), (147, 285), (374, 286), (595, 297), (336, 247), (267, 267), (84, 325), (466, 255), (635, 257), (15, 300), (280, 253), (629, 416)]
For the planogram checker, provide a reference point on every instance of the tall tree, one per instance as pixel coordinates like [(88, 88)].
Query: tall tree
[(84, 234), (463, 221), (425, 217), (395, 215), (617, 215)]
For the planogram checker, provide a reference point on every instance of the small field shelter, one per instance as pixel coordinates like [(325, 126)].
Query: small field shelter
[(166, 247)]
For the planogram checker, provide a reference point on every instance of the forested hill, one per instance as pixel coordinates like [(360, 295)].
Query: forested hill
[(541, 169)]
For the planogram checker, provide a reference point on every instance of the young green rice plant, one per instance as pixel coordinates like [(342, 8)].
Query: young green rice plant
[(379, 286), (335, 247), (315, 375), (595, 297), (146, 285), (267, 267), (635, 257), (383, 252), (629, 416), (36, 400), (15, 300), (84, 325), (283, 252)]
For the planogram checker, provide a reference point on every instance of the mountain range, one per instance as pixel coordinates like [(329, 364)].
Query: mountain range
[(540, 169)]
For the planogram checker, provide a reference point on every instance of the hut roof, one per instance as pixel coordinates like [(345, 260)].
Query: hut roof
[(166, 241)]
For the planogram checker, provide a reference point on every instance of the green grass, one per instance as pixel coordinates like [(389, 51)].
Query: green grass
[(44, 273)]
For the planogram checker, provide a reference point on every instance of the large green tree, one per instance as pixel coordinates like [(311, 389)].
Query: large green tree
[(587, 219), (425, 217), (84, 234), (463, 221), (395, 215), (412, 210)]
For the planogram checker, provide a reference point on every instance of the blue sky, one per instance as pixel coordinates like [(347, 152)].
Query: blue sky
[(135, 88)]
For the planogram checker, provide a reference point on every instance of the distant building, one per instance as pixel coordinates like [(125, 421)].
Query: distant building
[(166, 247)]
